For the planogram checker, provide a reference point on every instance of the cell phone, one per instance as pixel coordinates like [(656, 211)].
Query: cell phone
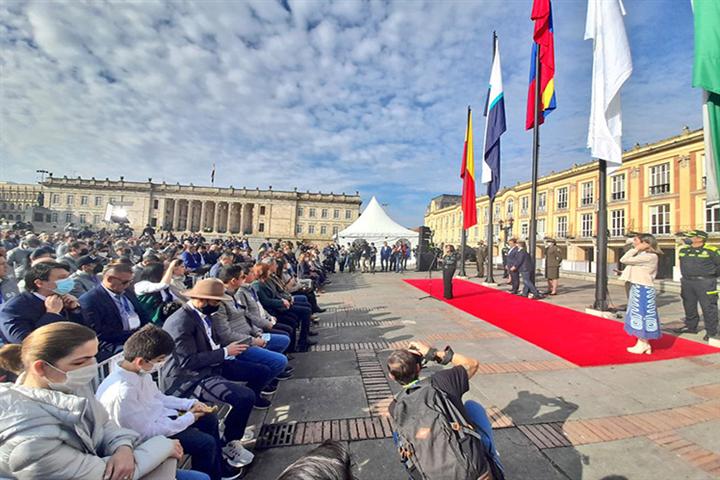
[(266, 337)]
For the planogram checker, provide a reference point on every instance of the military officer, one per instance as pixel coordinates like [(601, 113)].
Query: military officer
[(480, 257), (449, 264), (699, 266)]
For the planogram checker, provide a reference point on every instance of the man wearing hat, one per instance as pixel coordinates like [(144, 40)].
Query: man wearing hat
[(699, 267), (85, 276)]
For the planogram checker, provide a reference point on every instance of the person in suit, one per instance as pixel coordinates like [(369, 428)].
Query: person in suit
[(524, 265), (113, 309), (200, 367), (511, 266), (85, 277), (480, 258), (449, 263), (553, 259), (47, 300), (385, 252), (8, 284), (191, 258)]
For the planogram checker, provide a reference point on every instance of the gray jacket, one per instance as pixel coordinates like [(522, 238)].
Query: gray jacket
[(253, 310), (8, 289), (230, 323), (47, 434), (84, 282)]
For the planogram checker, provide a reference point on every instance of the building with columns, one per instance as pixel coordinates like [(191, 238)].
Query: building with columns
[(659, 189), (214, 211)]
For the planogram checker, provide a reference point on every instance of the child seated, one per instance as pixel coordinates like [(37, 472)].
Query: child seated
[(134, 401)]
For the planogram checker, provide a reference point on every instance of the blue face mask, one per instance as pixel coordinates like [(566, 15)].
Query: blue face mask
[(687, 241), (64, 286)]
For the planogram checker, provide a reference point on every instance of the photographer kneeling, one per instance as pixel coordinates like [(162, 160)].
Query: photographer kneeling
[(437, 435)]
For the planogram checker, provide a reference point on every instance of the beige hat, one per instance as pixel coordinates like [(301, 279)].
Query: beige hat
[(207, 289)]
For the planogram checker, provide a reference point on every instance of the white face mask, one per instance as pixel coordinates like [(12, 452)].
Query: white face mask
[(156, 367), (74, 379)]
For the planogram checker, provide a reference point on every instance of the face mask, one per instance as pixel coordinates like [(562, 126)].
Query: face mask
[(102, 254), (64, 286), (209, 309), (156, 367), (687, 241), (74, 379), (84, 252)]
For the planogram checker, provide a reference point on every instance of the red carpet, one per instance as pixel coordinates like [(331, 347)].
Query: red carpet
[(582, 339)]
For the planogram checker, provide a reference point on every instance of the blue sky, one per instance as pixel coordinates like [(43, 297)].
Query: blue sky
[(332, 96)]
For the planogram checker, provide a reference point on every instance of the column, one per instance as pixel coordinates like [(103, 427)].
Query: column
[(203, 209), (176, 215), (229, 217), (216, 224)]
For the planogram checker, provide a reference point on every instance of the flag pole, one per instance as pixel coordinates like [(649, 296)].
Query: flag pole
[(536, 149), (490, 237), (463, 232), (601, 271)]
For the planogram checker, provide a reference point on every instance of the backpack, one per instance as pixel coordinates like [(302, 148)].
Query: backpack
[(435, 441)]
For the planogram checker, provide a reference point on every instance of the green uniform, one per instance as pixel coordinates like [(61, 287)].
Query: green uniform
[(699, 268)]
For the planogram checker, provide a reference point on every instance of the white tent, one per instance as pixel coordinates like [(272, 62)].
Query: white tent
[(375, 226)]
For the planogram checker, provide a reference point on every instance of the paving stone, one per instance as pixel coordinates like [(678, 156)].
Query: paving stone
[(305, 399), (325, 364), (376, 460)]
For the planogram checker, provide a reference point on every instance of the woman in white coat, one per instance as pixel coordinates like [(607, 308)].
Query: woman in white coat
[(51, 425)]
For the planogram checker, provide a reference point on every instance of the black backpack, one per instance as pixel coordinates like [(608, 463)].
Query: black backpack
[(435, 441)]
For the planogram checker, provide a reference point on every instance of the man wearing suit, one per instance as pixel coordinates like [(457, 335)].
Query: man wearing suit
[(191, 258), (199, 366), (524, 265), (113, 309), (385, 252), (511, 262), (46, 301)]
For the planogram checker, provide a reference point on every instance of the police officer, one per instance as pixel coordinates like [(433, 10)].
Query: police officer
[(449, 264), (699, 266)]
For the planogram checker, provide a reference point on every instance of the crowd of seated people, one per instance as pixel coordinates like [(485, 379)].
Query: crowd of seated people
[(187, 323)]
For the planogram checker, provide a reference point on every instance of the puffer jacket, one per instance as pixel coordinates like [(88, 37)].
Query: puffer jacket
[(47, 434)]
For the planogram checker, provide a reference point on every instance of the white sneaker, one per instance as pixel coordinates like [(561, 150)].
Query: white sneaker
[(237, 455), (248, 435)]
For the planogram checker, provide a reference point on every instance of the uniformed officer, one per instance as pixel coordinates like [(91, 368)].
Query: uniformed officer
[(449, 264), (699, 266)]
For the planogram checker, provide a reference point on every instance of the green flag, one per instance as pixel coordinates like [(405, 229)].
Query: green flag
[(706, 75)]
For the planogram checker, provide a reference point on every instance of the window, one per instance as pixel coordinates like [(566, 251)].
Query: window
[(336, 213), (588, 194), (324, 213), (712, 218), (83, 200), (497, 211), (540, 228), (510, 207), (586, 225), (153, 222), (112, 200), (335, 230), (12, 206), (69, 200), (68, 217), (486, 213), (561, 227), (311, 228), (56, 198), (298, 228), (98, 201), (323, 230), (37, 217), (660, 219), (660, 179), (542, 202), (299, 212), (618, 187), (312, 213), (96, 219), (561, 195), (54, 218), (348, 214), (261, 226), (156, 204), (83, 217), (524, 230), (262, 210), (617, 223), (524, 204)]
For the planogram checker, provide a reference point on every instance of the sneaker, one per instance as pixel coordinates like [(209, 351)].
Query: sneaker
[(285, 375), (232, 473), (262, 403), (248, 435), (269, 389), (289, 369), (236, 455)]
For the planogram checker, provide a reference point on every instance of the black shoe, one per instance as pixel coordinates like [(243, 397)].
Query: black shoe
[(321, 310), (290, 356), (262, 403), (289, 369), (538, 297), (310, 343), (284, 375), (233, 473), (683, 330), (269, 389), (706, 338), (312, 333)]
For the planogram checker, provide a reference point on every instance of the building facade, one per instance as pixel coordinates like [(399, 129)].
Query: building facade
[(18, 202), (659, 189), (187, 208)]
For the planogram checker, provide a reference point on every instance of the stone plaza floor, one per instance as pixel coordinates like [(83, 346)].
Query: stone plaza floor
[(655, 420)]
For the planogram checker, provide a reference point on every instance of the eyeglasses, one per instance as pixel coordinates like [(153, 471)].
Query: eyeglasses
[(121, 282)]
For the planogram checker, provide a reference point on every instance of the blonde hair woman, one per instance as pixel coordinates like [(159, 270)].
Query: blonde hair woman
[(51, 425), (641, 317)]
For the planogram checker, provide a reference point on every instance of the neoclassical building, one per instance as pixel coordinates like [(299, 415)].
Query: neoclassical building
[(188, 208), (659, 189)]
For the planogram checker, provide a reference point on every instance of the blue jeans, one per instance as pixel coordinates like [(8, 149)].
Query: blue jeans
[(190, 475), (256, 375), (479, 418), (528, 285), (201, 440), (241, 399), (275, 361), (278, 342)]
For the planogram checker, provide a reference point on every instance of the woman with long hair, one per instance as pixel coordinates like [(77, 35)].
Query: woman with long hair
[(51, 425), (641, 317)]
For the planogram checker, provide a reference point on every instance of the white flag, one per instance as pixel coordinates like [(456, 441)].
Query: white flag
[(612, 66)]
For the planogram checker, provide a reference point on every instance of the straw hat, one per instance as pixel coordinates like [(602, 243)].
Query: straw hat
[(207, 289)]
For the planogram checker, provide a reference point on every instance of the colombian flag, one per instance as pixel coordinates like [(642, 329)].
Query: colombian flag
[(467, 173), (544, 42)]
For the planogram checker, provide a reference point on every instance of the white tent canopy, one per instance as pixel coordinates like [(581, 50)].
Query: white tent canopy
[(375, 226)]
